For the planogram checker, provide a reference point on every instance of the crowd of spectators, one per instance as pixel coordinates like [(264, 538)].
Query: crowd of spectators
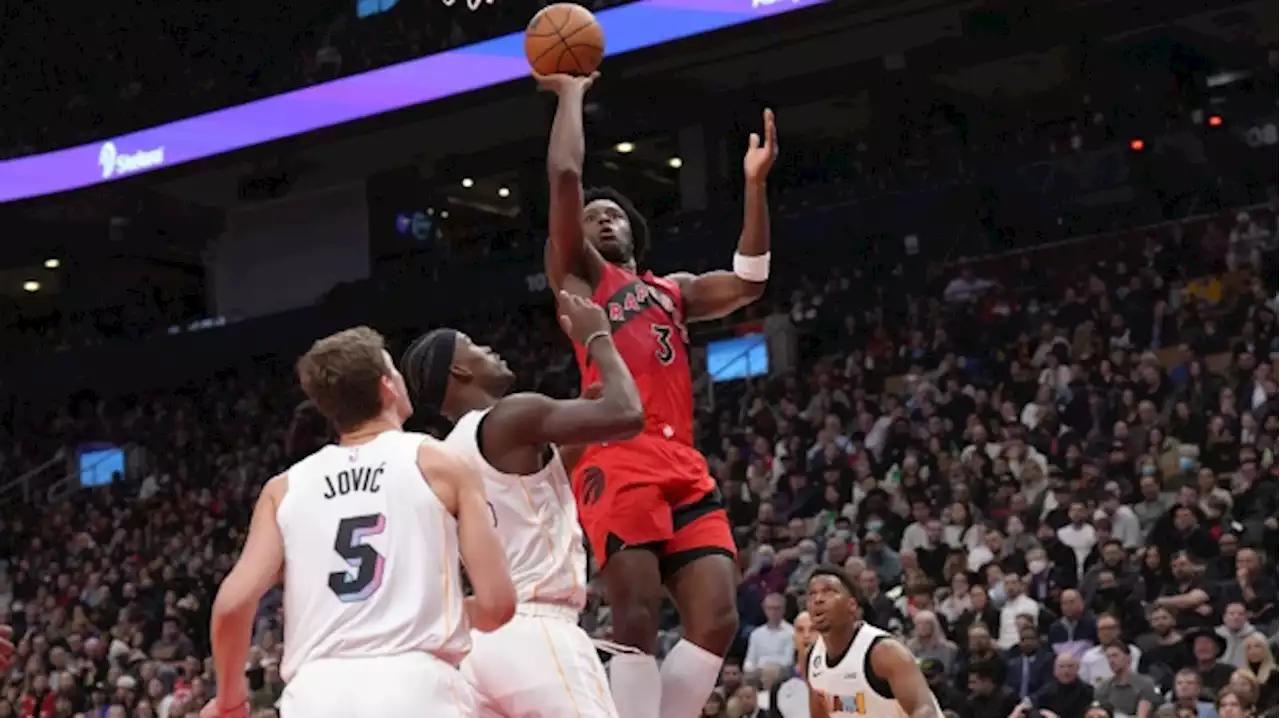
[(1057, 486)]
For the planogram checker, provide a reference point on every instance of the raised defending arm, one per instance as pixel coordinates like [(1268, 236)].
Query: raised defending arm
[(716, 294), (536, 419), (568, 253)]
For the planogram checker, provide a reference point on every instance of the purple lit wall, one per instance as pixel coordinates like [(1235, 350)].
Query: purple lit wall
[(631, 27)]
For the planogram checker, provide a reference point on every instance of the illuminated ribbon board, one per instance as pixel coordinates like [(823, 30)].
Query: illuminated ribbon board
[(631, 27)]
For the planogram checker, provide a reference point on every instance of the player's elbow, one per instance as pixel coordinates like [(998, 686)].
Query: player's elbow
[(231, 603), (749, 292), (564, 173)]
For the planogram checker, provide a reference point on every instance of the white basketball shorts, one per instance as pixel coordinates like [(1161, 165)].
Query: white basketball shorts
[(539, 665), (406, 685)]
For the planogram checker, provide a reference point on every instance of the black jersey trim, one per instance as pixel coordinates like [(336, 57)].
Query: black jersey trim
[(877, 684)]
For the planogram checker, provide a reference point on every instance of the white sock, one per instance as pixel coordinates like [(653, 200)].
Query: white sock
[(636, 685), (689, 674)]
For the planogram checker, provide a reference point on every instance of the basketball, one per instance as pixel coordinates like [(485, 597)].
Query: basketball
[(564, 38)]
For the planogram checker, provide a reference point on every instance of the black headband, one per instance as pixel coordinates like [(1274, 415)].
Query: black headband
[(426, 366)]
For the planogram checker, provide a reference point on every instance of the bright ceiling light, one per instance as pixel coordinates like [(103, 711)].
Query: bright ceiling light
[(675, 163), (51, 263), (625, 148), (444, 214), (504, 192), (30, 286), (468, 182)]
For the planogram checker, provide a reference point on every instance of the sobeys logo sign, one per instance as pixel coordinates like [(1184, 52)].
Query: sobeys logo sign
[(115, 163)]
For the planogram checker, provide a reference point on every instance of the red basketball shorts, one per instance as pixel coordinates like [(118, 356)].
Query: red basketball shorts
[(654, 493)]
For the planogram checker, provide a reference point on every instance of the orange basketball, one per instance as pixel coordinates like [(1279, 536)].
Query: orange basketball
[(564, 38)]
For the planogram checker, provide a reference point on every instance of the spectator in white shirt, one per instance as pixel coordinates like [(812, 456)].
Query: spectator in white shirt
[(774, 641), (916, 535), (1078, 535), (1094, 668), (1016, 604)]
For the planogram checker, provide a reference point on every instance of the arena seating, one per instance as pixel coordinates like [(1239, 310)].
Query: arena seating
[(1048, 402)]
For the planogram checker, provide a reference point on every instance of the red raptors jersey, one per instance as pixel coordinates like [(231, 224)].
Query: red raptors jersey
[(647, 318)]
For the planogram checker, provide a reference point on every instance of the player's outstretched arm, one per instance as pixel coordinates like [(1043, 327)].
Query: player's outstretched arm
[(261, 562), (894, 663), (462, 491), (568, 254), (617, 414), (717, 294)]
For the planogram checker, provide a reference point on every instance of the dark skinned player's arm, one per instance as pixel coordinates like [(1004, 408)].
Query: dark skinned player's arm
[(894, 663), (718, 294), (817, 707), (568, 253), (534, 419)]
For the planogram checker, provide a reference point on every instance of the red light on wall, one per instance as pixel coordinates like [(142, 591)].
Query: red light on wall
[(1137, 145), (1215, 120)]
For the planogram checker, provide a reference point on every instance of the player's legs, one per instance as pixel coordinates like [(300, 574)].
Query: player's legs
[(633, 583), (626, 524), (699, 564), (411, 684), (540, 665)]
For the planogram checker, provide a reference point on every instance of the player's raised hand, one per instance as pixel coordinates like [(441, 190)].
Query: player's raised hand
[(761, 154), (580, 317), (560, 83)]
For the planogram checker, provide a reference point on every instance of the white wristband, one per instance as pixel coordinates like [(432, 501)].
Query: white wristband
[(751, 269)]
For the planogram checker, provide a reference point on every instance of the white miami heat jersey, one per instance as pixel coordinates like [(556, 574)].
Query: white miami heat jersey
[(371, 557), (844, 687), (536, 518)]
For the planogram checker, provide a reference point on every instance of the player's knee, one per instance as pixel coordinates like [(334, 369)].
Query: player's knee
[(713, 629), (635, 620)]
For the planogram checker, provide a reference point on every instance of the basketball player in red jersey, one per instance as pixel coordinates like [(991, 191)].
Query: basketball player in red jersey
[(649, 506)]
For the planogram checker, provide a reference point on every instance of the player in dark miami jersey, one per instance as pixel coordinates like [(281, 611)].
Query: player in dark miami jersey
[(649, 506)]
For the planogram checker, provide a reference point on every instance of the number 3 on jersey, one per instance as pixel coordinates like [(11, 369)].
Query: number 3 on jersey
[(360, 556), (666, 352)]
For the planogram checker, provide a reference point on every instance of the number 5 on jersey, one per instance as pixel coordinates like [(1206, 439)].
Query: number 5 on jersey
[(360, 556)]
